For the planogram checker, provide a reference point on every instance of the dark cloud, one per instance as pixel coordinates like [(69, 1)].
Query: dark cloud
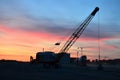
[(30, 23), (103, 31), (17, 17)]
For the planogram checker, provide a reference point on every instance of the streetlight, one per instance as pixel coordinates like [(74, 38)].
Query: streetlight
[(78, 52)]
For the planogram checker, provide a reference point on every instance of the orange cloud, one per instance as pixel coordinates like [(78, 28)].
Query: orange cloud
[(19, 42)]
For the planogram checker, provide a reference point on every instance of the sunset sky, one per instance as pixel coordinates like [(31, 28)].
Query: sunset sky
[(28, 26)]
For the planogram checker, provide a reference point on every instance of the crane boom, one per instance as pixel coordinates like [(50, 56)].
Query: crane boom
[(72, 39)]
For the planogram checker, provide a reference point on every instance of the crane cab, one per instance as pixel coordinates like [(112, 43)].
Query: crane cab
[(45, 56)]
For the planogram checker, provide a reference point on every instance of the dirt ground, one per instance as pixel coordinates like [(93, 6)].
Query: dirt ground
[(26, 71)]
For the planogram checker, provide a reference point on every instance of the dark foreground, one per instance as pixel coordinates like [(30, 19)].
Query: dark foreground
[(26, 71)]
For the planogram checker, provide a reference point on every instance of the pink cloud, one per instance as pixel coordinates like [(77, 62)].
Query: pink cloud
[(30, 39)]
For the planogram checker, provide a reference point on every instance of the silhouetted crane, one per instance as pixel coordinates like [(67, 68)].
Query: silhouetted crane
[(48, 58)]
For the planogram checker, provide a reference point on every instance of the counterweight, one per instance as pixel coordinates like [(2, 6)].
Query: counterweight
[(72, 39)]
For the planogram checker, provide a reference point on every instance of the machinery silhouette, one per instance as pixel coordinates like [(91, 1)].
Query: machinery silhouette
[(49, 58)]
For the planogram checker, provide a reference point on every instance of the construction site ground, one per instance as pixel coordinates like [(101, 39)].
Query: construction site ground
[(27, 71)]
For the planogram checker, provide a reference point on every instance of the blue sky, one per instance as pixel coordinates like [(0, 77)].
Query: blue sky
[(58, 17), (60, 10)]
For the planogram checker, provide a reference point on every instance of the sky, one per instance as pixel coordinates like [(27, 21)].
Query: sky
[(28, 26)]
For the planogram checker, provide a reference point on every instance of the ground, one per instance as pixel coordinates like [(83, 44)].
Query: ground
[(26, 71)]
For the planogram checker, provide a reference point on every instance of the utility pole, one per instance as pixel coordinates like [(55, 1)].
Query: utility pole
[(99, 57), (81, 51), (77, 54), (43, 49)]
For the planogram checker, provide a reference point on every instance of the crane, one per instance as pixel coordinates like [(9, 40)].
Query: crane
[(49, 58), (77, 33)]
